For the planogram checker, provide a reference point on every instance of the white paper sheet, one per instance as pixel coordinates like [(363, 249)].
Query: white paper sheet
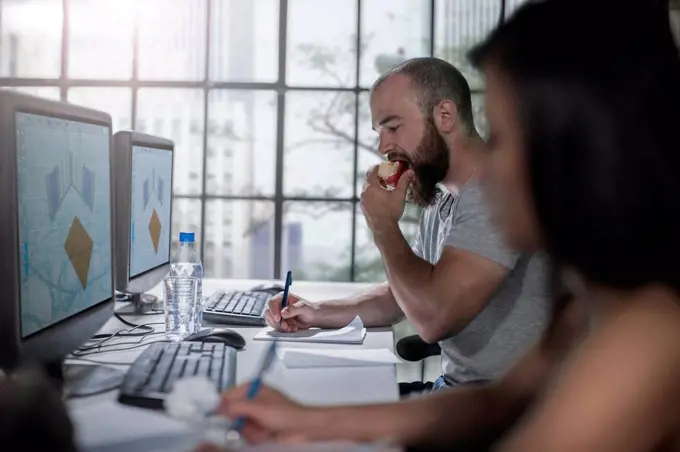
[(323, 447), (110, 426), (302, 358), (353, 333)]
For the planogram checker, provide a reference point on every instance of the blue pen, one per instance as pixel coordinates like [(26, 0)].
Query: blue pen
[(257, 382), (266, 362), (284, 301)]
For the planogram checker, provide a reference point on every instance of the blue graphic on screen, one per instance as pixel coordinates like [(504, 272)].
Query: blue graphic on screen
[(64, 218), (151, 204)]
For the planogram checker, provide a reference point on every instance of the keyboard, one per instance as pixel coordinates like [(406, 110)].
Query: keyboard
[(155, 371), (237, 307)]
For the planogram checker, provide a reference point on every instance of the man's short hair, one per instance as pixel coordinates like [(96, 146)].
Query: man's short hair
[(435, 81)]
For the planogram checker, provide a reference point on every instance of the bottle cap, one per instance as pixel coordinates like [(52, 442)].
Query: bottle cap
[(186, 237)]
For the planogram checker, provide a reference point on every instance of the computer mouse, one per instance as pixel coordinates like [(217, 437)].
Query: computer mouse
[(224, 335)]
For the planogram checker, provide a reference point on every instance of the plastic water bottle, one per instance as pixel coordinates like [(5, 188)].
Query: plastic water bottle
[(187, 262)]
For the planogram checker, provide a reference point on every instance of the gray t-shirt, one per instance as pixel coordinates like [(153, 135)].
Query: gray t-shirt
[(517, 313)]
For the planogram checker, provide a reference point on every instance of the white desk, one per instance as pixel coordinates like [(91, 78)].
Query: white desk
[(328, 386)]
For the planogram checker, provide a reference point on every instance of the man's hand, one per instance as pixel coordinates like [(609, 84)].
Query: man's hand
[(383, 208), (269, 417), (298, 315)]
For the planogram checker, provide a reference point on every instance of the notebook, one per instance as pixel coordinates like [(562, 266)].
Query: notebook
[(303, 358), (353, 333)]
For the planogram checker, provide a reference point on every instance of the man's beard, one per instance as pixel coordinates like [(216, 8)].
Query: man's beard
[(430, 163)]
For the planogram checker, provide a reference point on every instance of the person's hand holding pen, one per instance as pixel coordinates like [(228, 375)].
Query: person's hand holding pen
[(299, 314), (271, 417), (253, 391)]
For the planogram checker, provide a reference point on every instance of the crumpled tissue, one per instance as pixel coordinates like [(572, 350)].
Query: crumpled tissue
[(192, 398)]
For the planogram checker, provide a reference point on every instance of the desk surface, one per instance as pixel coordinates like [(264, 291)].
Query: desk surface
[(310, 386)]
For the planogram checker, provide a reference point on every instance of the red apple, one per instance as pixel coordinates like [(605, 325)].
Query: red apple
[(390, 172)]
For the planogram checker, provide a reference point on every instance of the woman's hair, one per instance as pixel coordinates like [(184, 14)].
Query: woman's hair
[(597, 87), (33, 415)]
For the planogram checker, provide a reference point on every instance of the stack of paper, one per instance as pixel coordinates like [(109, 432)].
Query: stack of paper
[(303, 358), (353, 333)]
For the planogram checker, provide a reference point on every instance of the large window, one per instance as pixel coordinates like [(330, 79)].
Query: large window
[(266, 100)]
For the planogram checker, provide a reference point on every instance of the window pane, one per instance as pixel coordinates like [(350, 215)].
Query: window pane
[(239, 239), (321, 43), (172, 39), (244, 38), (368, 265), (317, 240), (241, 142), (176, 114), (391, 32), (459, 25), (186, 217), (47, 92), (30, 44), (100, 39), (319, 144), (115, 101), (368, 141)]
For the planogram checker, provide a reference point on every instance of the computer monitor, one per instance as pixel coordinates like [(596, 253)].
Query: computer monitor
[(56, 242), (142, 168)]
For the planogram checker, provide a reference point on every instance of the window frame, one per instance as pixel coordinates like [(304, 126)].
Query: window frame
[(64, 83)]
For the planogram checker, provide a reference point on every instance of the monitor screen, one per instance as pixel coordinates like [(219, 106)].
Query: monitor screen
[(64, 218), (151, 206)]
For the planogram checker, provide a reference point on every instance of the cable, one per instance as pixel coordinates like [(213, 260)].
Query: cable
[(151, 312), (105, 349), (146, 330), (128, 323), (125, 332), (103, 342), (125, 322)]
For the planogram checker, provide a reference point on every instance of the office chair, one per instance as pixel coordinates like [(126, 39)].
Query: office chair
[(413, 348)]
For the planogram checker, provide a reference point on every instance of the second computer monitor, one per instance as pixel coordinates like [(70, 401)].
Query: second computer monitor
[(143, 172)]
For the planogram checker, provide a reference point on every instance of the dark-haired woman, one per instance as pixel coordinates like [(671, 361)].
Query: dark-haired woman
[(583, 103)]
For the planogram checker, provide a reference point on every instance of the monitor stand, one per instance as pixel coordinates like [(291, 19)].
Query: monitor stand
[(143, 303), (82, 380)]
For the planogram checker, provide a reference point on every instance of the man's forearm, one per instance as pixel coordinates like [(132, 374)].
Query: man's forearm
[(430, 421), (376, 307), (409, 277)]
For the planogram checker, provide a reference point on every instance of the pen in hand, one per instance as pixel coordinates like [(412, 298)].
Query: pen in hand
[(266, 363), (284, 300), (256, 384)]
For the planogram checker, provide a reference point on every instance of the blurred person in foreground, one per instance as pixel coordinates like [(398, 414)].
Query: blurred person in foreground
[(584, 162), (33, 416), (459, 285)]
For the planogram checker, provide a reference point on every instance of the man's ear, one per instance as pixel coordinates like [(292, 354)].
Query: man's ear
[(445, 117)]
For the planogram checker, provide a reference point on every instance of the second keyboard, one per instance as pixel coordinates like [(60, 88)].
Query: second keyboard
[(237, 307)]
